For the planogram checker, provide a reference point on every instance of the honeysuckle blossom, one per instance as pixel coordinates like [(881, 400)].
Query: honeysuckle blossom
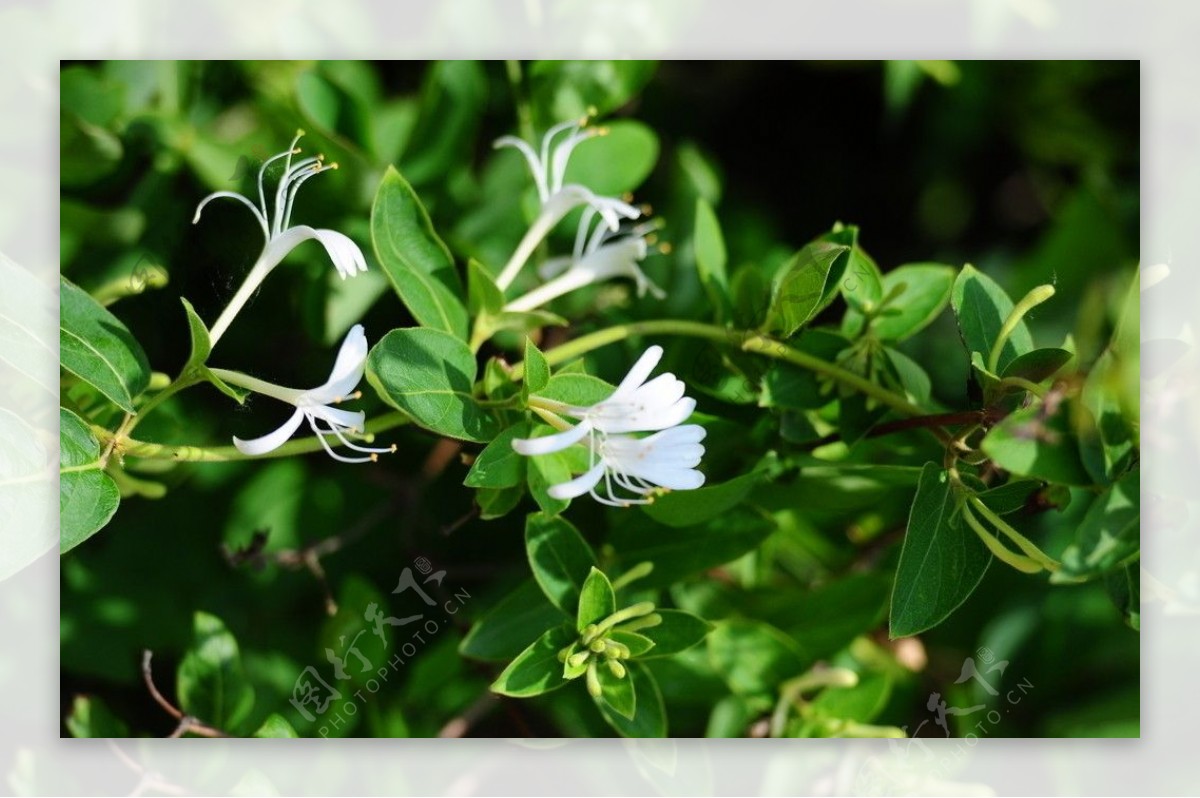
[(666, 459), (549, 168), (600, 254), (316, 404), (279, 234)]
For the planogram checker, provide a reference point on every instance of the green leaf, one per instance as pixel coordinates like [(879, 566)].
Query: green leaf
[(681, 552), (483, 295), (560, 558), (650, 720), (201, 348), (711, 258), (87, 497), (98, 349), (824, 620), (1029, 445), (430, 375), (616, 162), (499, 465), (453, 98), (691, 507), (802, 288), (637, 643), (90, 717), (545, 471), (942, 561), (1011, 496), (211, 683), (678, 631), (415, 259), (536, 670), (754, 657), (537, 371), (1110, 532), (861, 703), (616, 693), (1110, 420), (502, 632), (597, 600), (275, 726), (581, 390), (751, 295), (349, 630), (563, 90), (981, 307), (1124, 588), (498, 502), (1038, 365), (926, 291)]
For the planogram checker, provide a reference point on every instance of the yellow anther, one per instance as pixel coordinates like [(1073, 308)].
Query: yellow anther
[(665, 248), (646, 208), (374, 458), (299, 132), (652, 239), (627, 196), (393, 448), (333, 165)]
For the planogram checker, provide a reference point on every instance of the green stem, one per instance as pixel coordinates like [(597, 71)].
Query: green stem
[(1022, 564), (512, 69), (221, 454), (1031, 300), (175, 387), (256, 385), (745, 340), (1022, 542)]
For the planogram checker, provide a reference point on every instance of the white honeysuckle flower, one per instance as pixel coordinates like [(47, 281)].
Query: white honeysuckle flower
[(279, 234), (666, 459), (600, 256), (314, 404), (549, 169)]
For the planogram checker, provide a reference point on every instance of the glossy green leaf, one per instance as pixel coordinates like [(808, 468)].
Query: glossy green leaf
[(617, 693), (563, 90), (1029, 445), (275, 726), (499, 465), (802, 288), (861, 703), (580, 390), (560, 559), (981, 307), (98, 349), (1124, 588), (1038, 365), (616, 162), (91, 718), (483, 295), (637, 643), (1011, 496), (691, 507), (87, 497), (503, 631), (597, 600), (650, 720), (537, 669), (537, 370), (211, 683), (926, 289), (681, 552), (430, 375), (498, 502), (1110, 532), (751, 296), (942, 561), (415, 259), (754, 657), (678, 631)]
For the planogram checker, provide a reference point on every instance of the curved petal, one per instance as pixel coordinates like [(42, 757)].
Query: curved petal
[(640, 371), (262, 220), (346, 256), (346, 419), (347, 369), (552, 443), (535, 164), (578, 486), (272, 440)]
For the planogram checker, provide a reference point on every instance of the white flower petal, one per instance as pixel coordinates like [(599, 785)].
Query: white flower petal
[(346, 419), (347, 369), (272, 440), (578, 486), (346, 256), (640, 371), (552, 443)]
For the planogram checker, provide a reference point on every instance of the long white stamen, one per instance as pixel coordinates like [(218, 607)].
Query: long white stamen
[(562, 153), (548, 140), (262, 171), (312, 422), (585, 222), (282, 187), (368, 449), (262, 220), (295, 187)]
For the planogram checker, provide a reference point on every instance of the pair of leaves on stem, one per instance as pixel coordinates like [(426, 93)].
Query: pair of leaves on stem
[(564, 567)]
